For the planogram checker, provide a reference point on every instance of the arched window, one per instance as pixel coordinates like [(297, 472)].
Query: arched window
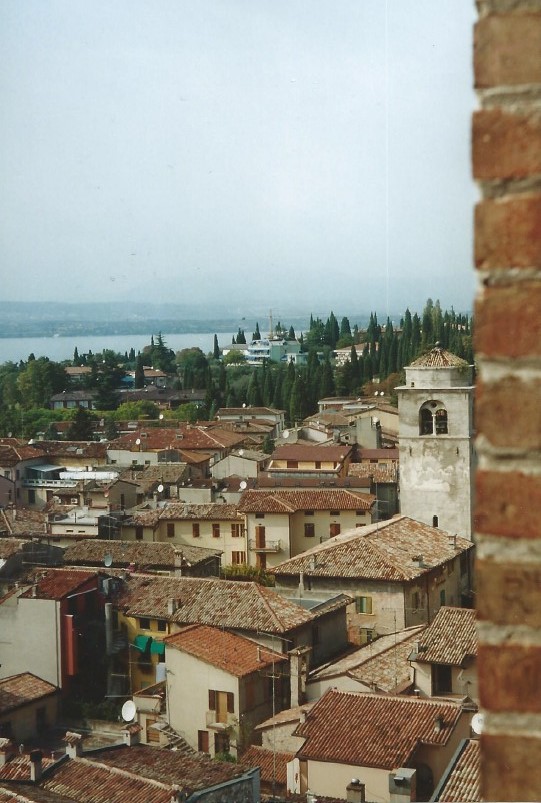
[(433, 419), (441, 421), (426, 423)]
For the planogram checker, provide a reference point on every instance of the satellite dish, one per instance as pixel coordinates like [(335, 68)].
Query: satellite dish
[(138, 441), (241, 452), (108, 560), (160, 488), (243, 485), (285, 433), (478, 723), (128, 711)]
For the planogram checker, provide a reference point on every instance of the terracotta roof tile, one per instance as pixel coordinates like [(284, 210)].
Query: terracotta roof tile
[(450, 639), (58, 583), (10, 546), (191, 438), (280, 501), (312, 452), (155, 555), (18, 769), (273, 765), (379, 472), (374, 730), (211, 511), (234, 654), (235, 605), (463, 784), (21, 689), (438, 358), (383, 551)]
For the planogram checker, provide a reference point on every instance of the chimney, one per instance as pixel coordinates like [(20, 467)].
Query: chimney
[(298, 670), (132, 734), (355, 791), (74, 744), (438, 723), (301, 582), (36, 767), (7, 750), (302, 716), (451, 540), (172, 605), (34, 590)]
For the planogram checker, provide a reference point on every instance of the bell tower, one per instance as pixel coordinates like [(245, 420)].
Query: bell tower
[(437, 459)]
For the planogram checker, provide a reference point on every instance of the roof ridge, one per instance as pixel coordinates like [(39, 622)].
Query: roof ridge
[(122, 772)]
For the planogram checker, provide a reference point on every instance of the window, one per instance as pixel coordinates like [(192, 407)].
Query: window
[(442, 680), (144, 624), (215, 530), (318, 463), (334, 529), (238, 558), (292, 463), (221, 743), (415, 600), (308, 512), (426, 425), (138, 533), (435, 521), (260, 537), (236, 530), (441, 422), (203, 741), (170, 529), (195, 529), (442, 597), (162, 626), (363, 604), (366, 635), (309, 529), (223, 702), (360, 512), (260, 515), (31, 497), (464, 563), (335, 512)]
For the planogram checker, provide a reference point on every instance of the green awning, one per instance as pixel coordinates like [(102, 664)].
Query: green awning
[(157, 648), (142, 642)]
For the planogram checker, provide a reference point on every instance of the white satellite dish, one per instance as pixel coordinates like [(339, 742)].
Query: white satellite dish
[(285, 433), (128, 711), (243, 485), (160, 488), (478, 723), (108, 560), (241, 452), (138, 441)]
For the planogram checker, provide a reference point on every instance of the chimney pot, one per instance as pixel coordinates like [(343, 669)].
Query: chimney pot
[(35, 765)]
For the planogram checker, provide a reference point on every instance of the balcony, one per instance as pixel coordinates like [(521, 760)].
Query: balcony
[(49, 483), (267, 546), (212, 722)]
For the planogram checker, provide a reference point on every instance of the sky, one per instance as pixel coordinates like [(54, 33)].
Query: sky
[(238, 154)]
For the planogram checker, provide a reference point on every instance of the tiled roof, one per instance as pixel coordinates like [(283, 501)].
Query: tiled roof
[(234, 654), (383, 664), (211, 511), (379, 454), (235, 605), (18, 769), (58, 583), (273, 764), (65, 450), (311, 453), (280, 501), (13, 453), (313, 482), (188, 437), (143, 554), (382, 551), (438, 358), (463, 782), (10, 546), (169, 473), (379, 472), (144, 518), (21, 689), (28, 793), (248, 411), (23, 521), (450, 639), (373, 730), (288, 715), (192, 772)]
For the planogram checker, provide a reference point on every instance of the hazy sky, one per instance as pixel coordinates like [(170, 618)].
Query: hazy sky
[(309, 154)]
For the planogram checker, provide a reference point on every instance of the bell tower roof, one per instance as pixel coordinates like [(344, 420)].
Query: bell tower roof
[(438, 357)]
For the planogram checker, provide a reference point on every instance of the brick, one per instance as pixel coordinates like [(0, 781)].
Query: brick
[(510, 767), (508, 593), (508, 322), (508, 232), (505, 146), (507, 50), (508, 677), (508, 412), (507, 504)]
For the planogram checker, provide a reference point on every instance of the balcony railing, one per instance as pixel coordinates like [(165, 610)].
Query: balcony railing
[(49, 483), (212, 722), (268, 546)]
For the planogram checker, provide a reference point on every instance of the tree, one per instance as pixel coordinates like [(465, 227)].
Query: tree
[(139, 372), (216, 348), (254, 396), (82, 426), (241, 337), (291, 334), (257, 334), (111, 430)]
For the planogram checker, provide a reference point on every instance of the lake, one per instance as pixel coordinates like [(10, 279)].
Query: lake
[(14, 349)]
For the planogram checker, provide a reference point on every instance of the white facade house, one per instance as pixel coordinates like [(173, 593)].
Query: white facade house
[(437, 457)]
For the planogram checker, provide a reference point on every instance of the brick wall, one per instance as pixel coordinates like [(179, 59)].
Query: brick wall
[(506, 156)]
